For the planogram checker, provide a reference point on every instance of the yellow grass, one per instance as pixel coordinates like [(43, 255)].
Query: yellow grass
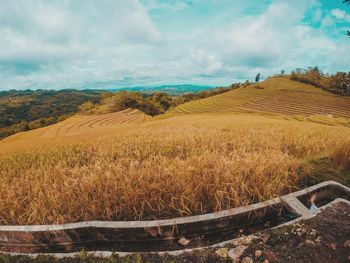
[(277, 96), (179, 166), (225, 151)]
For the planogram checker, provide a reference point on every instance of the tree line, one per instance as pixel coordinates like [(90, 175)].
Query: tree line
[(338, 83)]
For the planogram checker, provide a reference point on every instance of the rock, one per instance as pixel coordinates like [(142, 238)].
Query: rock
[(247, 260), (222, 252), (318, 239), (183, 241), (235, 243), (267, 224), (258, 253), (300, 232), (265, 237), (347, 243), (313, 232), (333, 246), (246, 240), (272, 256), (309, 242), (235, 253)]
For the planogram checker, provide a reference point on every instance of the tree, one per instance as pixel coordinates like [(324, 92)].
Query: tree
[(294, 75), (282, 72), (257, 78), (163, 99), (348, 3), (86, 106)]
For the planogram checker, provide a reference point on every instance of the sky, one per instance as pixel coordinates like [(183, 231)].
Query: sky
[(56, 44)]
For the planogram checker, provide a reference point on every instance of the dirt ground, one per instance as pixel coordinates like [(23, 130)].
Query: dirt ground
[(322, 239)]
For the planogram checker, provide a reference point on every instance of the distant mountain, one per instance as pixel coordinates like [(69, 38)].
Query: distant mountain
[(171, 89)]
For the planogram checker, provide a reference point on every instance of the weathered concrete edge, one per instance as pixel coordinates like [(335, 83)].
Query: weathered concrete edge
[(106, 254), (174, 221)]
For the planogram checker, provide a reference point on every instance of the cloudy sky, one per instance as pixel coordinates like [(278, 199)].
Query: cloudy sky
[(116, 43)]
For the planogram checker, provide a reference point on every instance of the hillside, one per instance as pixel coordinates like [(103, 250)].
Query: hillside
[(80, 124), (276, 95), (278, 98), (28, 109), (225, 151)]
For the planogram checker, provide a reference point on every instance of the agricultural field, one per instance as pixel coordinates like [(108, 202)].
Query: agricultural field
[(203, 156), (279, 96), (80, 124)]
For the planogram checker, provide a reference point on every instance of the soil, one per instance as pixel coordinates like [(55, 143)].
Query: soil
[(322, 239)]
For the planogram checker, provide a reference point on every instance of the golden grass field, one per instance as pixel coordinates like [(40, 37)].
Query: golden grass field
[(276, 95), (200, 157)]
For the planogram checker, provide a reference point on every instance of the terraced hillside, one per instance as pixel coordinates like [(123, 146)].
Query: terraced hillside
[(86, 124), (78, 126), (275, 95)]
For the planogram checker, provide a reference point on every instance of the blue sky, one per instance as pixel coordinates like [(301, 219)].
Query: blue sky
[(116, 43)]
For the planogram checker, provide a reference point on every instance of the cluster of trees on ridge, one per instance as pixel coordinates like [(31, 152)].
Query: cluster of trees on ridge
[(26, 110), (151, 104), (338, 83), (347, 2)]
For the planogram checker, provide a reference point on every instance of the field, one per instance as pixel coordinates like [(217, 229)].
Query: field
[(79, 124), (280, 96), (203, 156)]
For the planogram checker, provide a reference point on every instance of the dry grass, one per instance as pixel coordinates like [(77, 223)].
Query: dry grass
[(341, 155), (276, 95), (174, 167), (79, 124)]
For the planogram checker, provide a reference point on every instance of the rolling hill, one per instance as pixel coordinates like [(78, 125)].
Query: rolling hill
[(80, 124), (270, 96), (275, 95)]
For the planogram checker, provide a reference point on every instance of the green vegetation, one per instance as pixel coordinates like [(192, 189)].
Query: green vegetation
[(151, 104), (338, 83), (347, 2), (26, 110)]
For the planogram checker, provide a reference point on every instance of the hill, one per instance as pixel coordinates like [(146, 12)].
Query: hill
[(277, 95), (216, 153), (28, 109), (80, 124)]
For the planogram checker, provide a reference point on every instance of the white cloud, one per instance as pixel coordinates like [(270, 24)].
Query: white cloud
[(275, 40), (57, 43), (42, 29), (317, 16), (340, 15), (263, 40), (74, 43)]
